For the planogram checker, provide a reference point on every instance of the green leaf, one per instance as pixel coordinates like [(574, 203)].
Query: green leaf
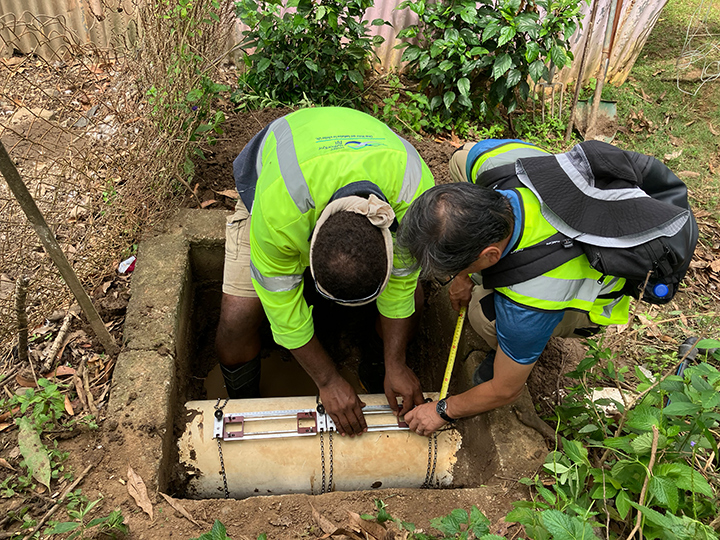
[(665, 491), (557, 468), (565, 527), (478, 51), (446, 65), (479, 523), (558, 56), (62, 528), (536, 71), (34, 452), (622, 503), (312, 66), (532, 51), (642, 444), (450, 524), (502, 64), (320, 13), (464, 86), (708, 344), (643, 418), (513, 78), (576, 452), (506, 34), (588, 429), (654, 517), (263, 64), (448, 99), (192, 96), (490, 31), (680, 408)]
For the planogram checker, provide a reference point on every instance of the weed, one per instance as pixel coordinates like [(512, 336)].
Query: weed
[(78, 509)]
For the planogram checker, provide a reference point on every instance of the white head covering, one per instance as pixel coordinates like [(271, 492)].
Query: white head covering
[(379, 213)]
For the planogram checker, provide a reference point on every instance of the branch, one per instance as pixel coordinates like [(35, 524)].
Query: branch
[(653, 453), (57, 344)]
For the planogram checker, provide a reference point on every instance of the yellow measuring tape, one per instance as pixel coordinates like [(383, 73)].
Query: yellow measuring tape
[(453, 352)]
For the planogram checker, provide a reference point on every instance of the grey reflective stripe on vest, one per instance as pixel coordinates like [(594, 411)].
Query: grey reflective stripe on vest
[(413, 173), (608, 309), (401, 272), (276, 283), (510, 156), (289, 166), (558, 290)]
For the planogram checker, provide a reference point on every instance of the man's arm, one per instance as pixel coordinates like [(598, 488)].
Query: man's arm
[(399, 378), (504, 388), (337, 395)]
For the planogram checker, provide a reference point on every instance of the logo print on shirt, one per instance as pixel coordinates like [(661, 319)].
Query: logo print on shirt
[(358, 144)]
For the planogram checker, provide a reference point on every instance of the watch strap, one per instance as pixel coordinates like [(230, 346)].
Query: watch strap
[(441, 409)]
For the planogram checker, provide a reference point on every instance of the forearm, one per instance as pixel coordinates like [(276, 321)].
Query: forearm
[(316, 362), (479, 399)]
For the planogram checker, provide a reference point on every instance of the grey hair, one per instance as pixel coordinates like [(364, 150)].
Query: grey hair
[(448, 226)]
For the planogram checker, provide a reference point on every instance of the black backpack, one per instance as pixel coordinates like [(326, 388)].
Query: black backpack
[(627, 212)]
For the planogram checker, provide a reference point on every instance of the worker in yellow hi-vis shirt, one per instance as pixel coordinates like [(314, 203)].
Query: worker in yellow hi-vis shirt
[(323, 188)]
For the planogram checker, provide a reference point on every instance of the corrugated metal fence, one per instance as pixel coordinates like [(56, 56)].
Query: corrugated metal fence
[(52, 27)]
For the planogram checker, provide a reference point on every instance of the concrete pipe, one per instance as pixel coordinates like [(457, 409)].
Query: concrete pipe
[(276, 445)]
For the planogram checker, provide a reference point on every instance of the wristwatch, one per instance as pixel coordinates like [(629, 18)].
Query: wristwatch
[(441, 409)]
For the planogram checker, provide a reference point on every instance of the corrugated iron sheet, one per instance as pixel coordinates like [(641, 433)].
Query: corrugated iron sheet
[(49, 27), (52, 28), (635, 21)]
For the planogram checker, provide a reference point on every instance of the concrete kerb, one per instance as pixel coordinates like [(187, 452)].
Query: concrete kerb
[(153, 365)]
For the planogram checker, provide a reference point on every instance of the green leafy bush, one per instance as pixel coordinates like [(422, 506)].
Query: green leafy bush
[(649, 464), (473, 57), (316, 51)]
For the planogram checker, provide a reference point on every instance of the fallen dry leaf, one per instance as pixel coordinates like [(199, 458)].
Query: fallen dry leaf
[(68, 406), (715, 265), (673, 155), (207, 203), (326, 526), (4, 426), (675, 141), (231, 193), (4, 463), (371, 528), (688, 174), (712, 129), (7, 414), (179, 507), (106, 286), (64, 371), (26, 383), (137, 490)]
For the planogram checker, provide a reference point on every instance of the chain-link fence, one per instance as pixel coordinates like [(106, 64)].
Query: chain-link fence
[(99, 136)]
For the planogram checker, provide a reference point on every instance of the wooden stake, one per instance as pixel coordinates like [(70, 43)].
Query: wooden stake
[(21, 286), (52, 247)]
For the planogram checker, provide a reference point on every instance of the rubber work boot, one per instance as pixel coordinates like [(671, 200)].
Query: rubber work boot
[(243, 381), (371, 370), (484, 372)]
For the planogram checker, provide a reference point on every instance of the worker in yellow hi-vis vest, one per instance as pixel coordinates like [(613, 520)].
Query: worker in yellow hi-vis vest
[(324, 189)]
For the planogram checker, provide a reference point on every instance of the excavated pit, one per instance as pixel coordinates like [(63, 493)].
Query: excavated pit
[(168, 360)]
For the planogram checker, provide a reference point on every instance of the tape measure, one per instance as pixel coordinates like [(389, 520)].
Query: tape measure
[(453, 353)]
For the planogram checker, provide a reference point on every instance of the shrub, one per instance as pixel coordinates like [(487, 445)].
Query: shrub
[(318, 51), (474, 57)]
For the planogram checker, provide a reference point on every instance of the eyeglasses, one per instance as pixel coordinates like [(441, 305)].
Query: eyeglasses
[(443, 282), (355, 302)]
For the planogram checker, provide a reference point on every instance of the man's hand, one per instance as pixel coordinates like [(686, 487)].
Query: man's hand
[(460, 291), (424, 419), (401, 381), (344, 406)]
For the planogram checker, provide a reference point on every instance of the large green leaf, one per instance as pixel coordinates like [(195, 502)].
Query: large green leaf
[(464, 86), (34, 452), (502, 64), (565, 527), (642, 444), (532, 51), (665, 491), (576, 452), (644, 417), (559, 57), (449, 99), (622, 503), (506, 34), (680, 408), (479, 523), (450, 524)]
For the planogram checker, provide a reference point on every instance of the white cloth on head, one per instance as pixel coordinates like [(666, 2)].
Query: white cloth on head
[(378, 212)]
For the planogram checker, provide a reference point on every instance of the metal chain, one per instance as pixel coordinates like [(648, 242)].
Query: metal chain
[(330, 484), (322, 462), (432, 462), (218, 415)]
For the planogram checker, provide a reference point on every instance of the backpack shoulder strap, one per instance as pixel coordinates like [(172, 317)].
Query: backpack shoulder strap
[(531, 262)]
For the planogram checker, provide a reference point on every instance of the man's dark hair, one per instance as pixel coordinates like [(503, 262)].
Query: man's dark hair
[(449, 225), (349, 256)]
